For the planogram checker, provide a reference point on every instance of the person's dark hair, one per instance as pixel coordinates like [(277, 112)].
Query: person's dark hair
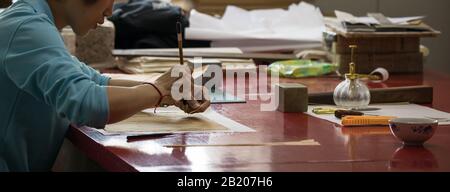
[(5, 3)]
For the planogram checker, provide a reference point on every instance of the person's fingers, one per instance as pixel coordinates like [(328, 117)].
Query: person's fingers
[(182, 106), (185, 106), (193, 104), (205, 102), (188, 109), (203, 107), (167, 100)]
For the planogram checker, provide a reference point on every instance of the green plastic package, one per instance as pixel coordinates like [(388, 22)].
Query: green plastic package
[(301, 68)]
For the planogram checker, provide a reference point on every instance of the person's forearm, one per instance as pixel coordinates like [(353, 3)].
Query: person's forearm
[(127, 101), (123, 83)]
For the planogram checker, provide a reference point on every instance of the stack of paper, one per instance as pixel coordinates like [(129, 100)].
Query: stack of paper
[(371, 24), (298, 27), (141, 65)]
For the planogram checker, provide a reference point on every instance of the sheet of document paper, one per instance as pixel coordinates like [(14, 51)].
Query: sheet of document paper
[(397, 110), (173, 120), (300, 23)]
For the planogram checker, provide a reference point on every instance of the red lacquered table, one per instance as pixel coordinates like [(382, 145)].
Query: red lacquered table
[(341, 149)]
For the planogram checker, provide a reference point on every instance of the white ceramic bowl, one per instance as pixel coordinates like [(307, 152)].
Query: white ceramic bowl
[(413, 131)]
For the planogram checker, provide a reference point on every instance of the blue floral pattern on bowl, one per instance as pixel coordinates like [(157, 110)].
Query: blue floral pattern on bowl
[(424, 130)]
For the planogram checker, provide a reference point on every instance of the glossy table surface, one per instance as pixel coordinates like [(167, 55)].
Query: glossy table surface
[(341, 149)]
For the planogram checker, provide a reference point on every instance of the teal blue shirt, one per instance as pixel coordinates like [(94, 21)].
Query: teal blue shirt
[(43, 89)]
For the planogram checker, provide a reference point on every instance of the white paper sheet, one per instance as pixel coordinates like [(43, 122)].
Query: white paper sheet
[(299, 24), (250, 45), (175, 124), (397, 110)]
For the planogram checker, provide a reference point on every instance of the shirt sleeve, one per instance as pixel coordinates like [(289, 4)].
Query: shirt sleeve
[(39, 64), (93, 74)]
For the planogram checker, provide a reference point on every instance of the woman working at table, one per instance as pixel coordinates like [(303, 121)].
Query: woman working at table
[(45, 89)]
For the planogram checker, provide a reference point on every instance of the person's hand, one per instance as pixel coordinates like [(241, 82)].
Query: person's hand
[(165, 83), (195, 106)]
